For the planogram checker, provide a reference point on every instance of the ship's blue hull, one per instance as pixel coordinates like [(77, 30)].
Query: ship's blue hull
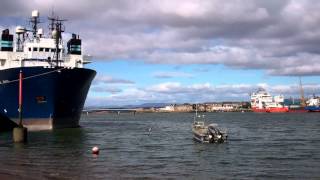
[(52, 97), (313, 108)]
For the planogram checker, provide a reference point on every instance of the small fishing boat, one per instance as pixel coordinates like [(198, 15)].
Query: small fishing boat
[(207, 134)]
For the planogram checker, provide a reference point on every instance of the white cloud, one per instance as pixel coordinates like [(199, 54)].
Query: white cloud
[(107, 89), (110, 80), (246, 34), (172, 75)]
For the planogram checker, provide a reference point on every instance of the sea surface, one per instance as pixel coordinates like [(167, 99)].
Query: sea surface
[(160, 146)]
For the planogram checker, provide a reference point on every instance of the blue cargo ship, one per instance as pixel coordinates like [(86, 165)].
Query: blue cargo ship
[(313, 104), (55, 82)]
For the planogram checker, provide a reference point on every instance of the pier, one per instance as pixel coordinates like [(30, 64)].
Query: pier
[(111, 110)]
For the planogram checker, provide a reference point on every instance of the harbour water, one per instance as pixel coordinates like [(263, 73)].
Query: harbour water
[(260, 146)]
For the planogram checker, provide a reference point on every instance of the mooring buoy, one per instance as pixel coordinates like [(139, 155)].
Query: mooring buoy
[(95, 150)]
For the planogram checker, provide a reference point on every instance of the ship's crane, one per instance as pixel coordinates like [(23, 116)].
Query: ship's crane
[(303, 101)]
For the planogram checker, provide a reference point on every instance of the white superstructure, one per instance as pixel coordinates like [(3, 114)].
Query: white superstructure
[(262, 99), (315, 101), (32, 48)]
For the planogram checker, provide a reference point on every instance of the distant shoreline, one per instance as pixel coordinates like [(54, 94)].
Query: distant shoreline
[(186, 107)]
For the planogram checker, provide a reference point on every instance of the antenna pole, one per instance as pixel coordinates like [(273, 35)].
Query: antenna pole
[(56, 26), (196, 110), (34, 26), (58, 38), (35, 21), (19, 49), (52, 23)]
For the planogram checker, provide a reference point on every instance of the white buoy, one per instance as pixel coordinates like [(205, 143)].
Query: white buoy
[(150, 129), (95, 150)]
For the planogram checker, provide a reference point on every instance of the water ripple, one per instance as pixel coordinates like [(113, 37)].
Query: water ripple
[(160, 145)]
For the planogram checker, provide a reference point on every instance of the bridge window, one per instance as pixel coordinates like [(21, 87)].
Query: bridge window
[(47, 49), (2, 62), (54, 50), (35, 49), (41, 50), (29, 49)]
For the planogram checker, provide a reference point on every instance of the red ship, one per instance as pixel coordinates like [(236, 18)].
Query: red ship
[(277, 110), (262, 101)]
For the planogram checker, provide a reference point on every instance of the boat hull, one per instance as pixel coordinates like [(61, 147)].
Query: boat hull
[(313, 108), (271, 110), (200, 138), (298, 110), (52, 97), (257, 110), (208, 134), (278, 110)]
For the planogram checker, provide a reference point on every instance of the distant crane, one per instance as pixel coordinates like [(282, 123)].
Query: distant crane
[(303, 101)]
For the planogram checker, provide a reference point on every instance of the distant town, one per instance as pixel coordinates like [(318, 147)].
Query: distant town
[(226, 106), (203, 107), (186, 107)]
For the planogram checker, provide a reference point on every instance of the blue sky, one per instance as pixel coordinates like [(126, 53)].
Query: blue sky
[(144, 75), (187, 51)]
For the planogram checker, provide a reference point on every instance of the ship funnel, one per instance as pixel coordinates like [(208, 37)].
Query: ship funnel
[(74, 45), (35, 13), (6, 41)]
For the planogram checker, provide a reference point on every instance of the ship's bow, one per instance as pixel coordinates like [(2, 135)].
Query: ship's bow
[(71, 91)]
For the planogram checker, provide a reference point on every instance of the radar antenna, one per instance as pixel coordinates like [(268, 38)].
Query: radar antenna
[(35, 20), (52, 20), (57, 28)]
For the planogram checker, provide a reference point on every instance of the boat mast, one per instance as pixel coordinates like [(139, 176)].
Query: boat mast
[(196, 115), (196, 110)]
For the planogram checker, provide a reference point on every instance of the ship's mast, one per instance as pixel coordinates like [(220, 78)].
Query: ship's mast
[(20, 31), (57, 28), (34, 22), (52, 23), (303, 102)]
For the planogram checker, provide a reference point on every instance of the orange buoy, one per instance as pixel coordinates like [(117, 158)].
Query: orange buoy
[(95, 150)]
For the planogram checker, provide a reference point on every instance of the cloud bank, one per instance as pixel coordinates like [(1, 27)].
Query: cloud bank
[(176, 92), (280, 37)]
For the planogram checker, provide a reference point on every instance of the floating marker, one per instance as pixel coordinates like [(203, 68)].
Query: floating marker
[(150, 129), (95, 150)]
